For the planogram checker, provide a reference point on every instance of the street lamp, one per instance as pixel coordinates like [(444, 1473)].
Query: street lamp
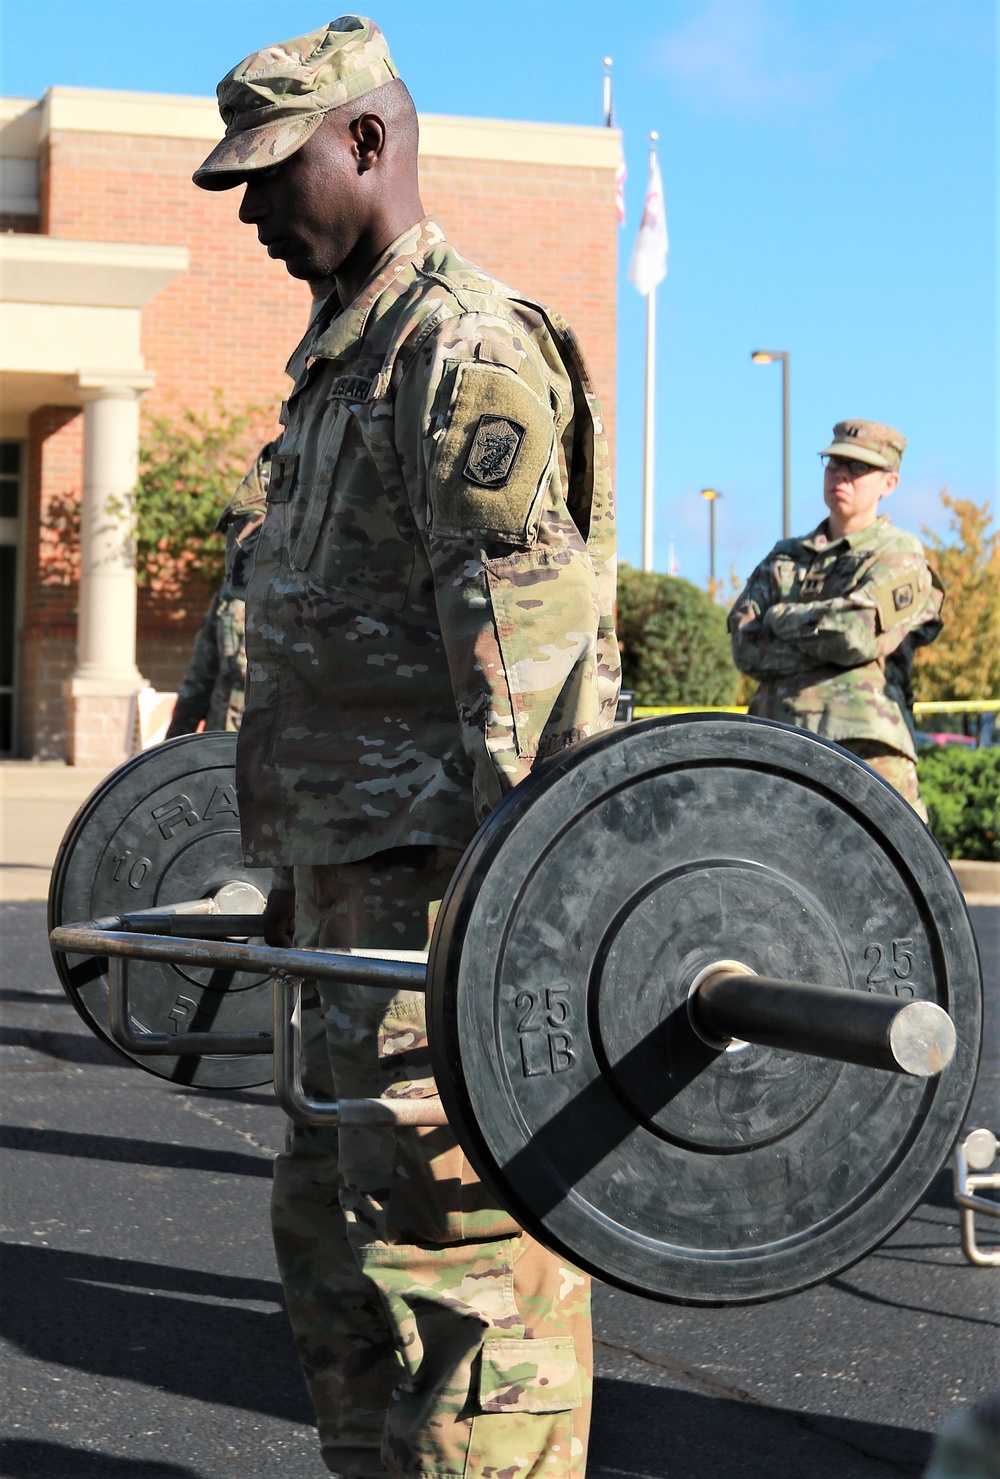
[(712, 496), (768, 357)]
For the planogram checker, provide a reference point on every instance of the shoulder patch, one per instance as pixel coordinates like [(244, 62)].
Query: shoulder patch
[(496, 446), (895, 600), (494, 450)]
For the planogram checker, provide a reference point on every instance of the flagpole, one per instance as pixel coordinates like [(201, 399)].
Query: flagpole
[(650, 416)]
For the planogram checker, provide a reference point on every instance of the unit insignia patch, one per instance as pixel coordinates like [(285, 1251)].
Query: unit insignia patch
[(493, 453)]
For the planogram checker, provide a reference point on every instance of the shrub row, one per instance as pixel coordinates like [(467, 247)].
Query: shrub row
[(675, 647), (961, 790)]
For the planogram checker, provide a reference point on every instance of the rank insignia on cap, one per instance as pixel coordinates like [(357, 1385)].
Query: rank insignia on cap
[(494, 450), (902, 597)]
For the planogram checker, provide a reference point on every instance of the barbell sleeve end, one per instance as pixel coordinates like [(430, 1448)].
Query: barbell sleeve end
[(912, 1037), (922, 1039)]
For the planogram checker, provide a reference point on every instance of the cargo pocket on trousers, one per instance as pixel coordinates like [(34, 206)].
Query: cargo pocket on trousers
[(529, 1376)]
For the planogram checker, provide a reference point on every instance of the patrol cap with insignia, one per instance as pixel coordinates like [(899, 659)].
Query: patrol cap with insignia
[(867, 441), (276, 98)]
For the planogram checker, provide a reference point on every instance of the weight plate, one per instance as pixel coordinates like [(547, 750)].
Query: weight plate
[(578, 920), (161, 829)]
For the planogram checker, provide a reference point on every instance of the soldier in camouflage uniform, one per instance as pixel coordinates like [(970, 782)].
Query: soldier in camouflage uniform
[(430, 615), (828, 624), (214, 680)]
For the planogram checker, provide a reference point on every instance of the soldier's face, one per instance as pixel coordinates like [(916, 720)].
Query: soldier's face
[(309, 210), (851, 491)]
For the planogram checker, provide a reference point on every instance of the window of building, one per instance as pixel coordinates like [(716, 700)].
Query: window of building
[(10, 497)]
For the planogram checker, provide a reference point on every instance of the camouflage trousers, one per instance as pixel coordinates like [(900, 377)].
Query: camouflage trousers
[(898, 769), (437, 1338)]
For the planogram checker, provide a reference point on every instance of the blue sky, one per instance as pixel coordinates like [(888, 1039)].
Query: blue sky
[(829, 171)]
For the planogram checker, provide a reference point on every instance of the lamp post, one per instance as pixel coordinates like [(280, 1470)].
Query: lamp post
[(712, 496), (769, 357)]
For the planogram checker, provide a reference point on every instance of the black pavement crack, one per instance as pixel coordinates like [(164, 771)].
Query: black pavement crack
[(215, 1119)]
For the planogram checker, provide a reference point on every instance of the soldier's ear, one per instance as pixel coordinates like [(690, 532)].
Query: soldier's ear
[(891, 482), (368, 133)]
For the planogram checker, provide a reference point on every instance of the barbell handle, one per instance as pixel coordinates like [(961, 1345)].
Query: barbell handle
[(99, 937), (912, 1037), (331, 1113), (168, 1044)]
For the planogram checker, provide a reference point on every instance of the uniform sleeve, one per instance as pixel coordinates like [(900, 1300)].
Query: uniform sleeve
[(194, 693), (895, 596), (757, 650), (483, 453)]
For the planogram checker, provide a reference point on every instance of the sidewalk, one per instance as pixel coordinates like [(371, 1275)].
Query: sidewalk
[(38, 800)]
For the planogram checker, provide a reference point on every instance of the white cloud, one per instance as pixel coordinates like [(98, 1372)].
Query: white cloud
[(754, 57)]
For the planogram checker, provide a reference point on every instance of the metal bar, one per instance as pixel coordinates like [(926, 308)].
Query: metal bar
[(168, 1044), (649, 435), (786, 461), (915, 1037), (186, 907), (332, 1113), (973, 1154), (204, 927), (323, 965)]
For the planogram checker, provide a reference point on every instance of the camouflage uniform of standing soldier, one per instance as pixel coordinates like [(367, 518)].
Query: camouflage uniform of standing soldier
[(215, 678), (430, 614), (828, 624)]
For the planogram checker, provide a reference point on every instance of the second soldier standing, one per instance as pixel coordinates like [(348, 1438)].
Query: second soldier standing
[(828, 623)]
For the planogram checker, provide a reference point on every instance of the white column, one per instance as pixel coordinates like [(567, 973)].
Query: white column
[(100, 694), (105, 651)]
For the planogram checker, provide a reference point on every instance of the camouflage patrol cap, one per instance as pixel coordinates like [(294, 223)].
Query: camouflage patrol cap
[(867, 441), (276, 98)]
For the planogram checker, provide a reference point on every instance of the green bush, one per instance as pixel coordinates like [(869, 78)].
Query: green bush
[(675, 647), (961, 790)]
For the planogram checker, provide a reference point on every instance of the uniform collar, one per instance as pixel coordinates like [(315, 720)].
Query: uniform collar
[(336, 331), (819, 541)]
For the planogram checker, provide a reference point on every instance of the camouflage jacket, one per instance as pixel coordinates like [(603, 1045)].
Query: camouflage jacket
[(431, 609), (215, 678), (829, 627)]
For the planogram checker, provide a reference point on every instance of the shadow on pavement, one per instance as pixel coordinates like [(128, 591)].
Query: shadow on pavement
[(154, 1324), (68, 1047), (663, 1433), (134, 1152), (26, 1458)]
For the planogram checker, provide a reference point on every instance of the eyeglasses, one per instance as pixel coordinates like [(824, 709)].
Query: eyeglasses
[(851, 465)]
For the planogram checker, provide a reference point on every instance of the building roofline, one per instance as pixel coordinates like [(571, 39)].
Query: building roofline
[(25, 123)]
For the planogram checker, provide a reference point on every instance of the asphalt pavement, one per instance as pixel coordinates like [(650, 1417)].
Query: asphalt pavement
[(144, 1336)]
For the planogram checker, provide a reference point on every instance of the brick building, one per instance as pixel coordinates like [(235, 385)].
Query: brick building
[(125, 291)]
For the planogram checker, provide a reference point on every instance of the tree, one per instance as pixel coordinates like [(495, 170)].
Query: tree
[(675, 647), (189, 468), (964, 662)]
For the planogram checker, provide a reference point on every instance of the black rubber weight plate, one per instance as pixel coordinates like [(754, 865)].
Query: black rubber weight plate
[(160, 829), (558, 979)]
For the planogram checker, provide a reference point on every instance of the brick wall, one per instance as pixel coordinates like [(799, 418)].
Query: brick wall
[(233, 319), (546, 230)]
